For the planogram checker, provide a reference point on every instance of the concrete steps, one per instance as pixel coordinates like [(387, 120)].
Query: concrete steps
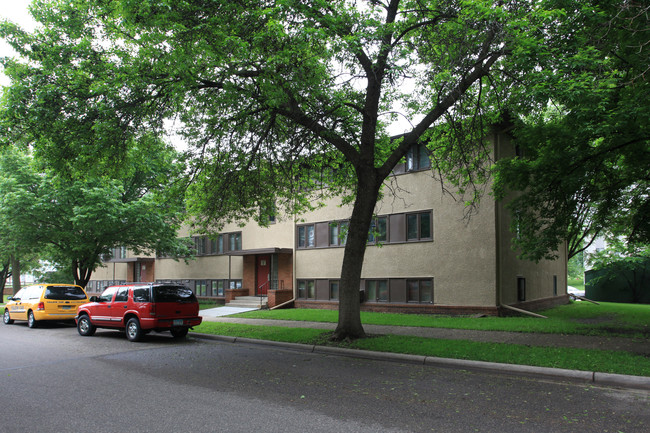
[(248, 302)]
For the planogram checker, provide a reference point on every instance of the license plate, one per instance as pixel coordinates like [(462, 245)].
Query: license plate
[(177, 322), (66, 307)]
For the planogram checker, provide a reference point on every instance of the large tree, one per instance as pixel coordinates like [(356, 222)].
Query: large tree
[(77, 222), (279, 97), (585, 141)]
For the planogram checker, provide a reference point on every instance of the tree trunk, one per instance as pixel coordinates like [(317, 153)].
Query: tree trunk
[(349, 324), (3, 278), (15, 274), (81, 274)]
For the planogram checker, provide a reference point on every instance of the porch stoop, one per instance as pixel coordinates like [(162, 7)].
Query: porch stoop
[(248, 302)]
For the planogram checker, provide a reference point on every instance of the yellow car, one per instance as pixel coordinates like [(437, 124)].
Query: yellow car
[(41, 302)]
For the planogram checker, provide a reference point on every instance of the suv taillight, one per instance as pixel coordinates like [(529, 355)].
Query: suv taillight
[(41, 306)]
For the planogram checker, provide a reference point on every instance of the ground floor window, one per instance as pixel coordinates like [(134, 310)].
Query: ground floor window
[(201, 288), (521, 289), (420, 291), (377, 290), (306, 289), (334, 290), (217, 287)]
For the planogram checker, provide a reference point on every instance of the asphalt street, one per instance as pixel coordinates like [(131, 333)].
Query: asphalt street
[(54, 380)]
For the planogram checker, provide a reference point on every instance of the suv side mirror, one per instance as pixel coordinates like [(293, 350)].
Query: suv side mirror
[(94, 299)]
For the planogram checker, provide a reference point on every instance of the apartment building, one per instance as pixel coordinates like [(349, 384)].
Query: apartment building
[(423, 256)]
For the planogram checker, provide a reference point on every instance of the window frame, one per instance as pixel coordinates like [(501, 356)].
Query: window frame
[(305, 243), (418, 226), (419, 282)]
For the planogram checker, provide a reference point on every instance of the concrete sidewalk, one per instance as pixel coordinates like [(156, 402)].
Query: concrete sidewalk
[(640, 346)]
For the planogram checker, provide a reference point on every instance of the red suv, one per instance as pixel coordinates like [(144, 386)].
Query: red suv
[(140, 308)]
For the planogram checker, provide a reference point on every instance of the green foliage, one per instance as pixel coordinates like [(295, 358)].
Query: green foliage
[(75, 221), (582, 123), (621, 263)]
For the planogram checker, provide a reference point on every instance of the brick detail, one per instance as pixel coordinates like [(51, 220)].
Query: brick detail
[(277, 297), (231, 294)]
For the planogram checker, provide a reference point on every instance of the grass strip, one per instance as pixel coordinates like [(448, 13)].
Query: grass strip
[(581, 318), (606, 361)]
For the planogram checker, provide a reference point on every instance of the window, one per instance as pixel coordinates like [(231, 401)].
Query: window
[(378, 230), (418, 226), (306, 237), (377, 290), (235, 284), (338, 233), (235, 241), (119, 253), (417, 158), (306, 289), (107, 295), (122, 295), (199, 245), (420, 291), (334, 289), (267, 212), (554, 285), (521, 289), (217, 287), (201, 288), (141, 294)]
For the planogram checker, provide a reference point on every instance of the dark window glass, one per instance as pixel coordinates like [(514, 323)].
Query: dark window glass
[(426, 291), (141, 294), (334, 290), (425, 225), (412, 226), (301, 237), (173, 294), (377, 290), (122, 295)]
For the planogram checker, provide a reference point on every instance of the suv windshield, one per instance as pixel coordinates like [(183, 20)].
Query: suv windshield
[(173, 294), (64, 293)]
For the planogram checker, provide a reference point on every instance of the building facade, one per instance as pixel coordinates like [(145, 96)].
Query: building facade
[(423, 256)]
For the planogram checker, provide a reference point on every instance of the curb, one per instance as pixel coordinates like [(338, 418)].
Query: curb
[(590, 377)]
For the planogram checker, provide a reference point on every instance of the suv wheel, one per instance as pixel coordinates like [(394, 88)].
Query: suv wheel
[(133, 330), (179, 332), (6, 318), (85, 326), (31, 320)]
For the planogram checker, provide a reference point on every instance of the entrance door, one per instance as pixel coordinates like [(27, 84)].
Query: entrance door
[(263, 274)]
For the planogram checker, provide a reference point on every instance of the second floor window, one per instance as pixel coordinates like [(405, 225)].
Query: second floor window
[(306, 237), (417, 158)]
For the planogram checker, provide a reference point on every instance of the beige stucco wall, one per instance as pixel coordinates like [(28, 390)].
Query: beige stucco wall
[(110, 271), (471, 261), (207, 267), (539, 276), (461, 258)]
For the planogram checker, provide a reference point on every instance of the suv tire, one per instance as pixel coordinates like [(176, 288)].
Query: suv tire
[(133, 330), (85, 326)]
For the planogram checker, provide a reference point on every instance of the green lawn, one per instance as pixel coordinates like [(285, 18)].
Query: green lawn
[(575, 318), (584, 318)]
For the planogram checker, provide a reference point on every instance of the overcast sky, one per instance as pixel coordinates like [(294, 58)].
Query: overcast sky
[(15, 11)]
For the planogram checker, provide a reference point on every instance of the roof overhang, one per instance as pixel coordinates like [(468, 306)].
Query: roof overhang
[(133, 260), (261, 251)]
